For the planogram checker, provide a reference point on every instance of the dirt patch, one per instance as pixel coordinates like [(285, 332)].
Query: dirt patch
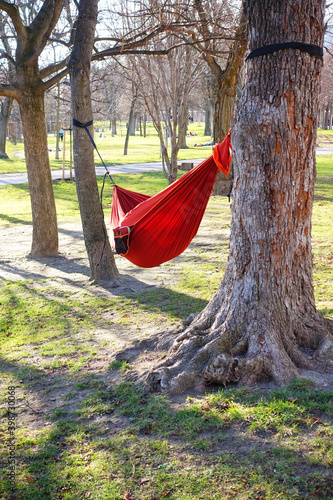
[(71, 269)]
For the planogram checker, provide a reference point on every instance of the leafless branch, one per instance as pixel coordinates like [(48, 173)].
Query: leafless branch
[(52, 68), (55, 79), (13, 12), (8, 91)]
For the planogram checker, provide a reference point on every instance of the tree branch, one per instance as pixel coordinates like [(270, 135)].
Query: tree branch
[(55, 79), (43, 25), (9, 91), (4, 55), (13, 12), (52, 68)]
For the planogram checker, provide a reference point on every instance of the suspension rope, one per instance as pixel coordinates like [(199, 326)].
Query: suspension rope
[(76, 123)]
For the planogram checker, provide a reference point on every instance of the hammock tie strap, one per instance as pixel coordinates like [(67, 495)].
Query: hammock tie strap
[(313, 50), (76, 123)]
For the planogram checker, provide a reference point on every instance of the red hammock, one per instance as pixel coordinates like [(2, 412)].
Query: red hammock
[(151, 230)]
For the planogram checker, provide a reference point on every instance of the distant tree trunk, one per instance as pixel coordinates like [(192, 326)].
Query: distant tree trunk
[(132, 125), (5, 111), (130, 119), (208, 119), (144, 125), (326, 120), (183, 128), (101, 260), (113, 127), (263, 324)]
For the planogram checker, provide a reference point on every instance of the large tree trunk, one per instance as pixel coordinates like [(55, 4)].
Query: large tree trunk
[(5, 110), (44, 218), (263, 323), (101, 260)]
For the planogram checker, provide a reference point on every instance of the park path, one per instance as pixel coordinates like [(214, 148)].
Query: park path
[(20, 178)]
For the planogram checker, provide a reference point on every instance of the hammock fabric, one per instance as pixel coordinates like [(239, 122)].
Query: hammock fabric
[(151, 230)]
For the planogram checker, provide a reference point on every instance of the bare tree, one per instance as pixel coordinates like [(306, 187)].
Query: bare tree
[(102, 265), (263, 324), (165, 83), (8, 73), (326, 94), (28, 87)]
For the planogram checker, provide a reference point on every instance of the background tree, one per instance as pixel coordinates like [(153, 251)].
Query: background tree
[(7, 70), (102, 265), (28, 87), (165, 83), (263, 324), (326, 94)]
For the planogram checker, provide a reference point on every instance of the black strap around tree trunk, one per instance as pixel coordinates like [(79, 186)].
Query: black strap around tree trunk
[(313, 50)]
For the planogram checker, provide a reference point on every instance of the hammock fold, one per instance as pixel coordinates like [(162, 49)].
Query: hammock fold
[(161, 227)]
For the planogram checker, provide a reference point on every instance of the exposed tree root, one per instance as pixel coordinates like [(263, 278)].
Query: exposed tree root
[(246, 352)]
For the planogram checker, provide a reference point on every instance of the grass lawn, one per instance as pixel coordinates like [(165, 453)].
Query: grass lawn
[(85, 429), (140, 149)]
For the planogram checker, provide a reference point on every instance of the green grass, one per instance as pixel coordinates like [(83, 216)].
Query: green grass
[(140, 150), (93, 433), (229, 444)]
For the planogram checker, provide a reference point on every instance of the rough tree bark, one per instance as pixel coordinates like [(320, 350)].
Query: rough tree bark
[(263, 323), (101, 260), (5, 110), (44, 218)]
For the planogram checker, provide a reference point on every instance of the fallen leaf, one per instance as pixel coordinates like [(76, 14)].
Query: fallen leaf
[(30, 480), (316, 420), (166, 493), (128, 496)]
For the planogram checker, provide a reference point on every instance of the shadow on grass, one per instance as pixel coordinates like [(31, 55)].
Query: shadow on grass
[(116, 437), (14, 220)]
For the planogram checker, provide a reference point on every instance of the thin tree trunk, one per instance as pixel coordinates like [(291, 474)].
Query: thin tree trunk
[(208, 119), (101, 260), (132, 125), (263, 324), (183, 128), (5, 111), (57, 124), (130, 119), (113, 127)]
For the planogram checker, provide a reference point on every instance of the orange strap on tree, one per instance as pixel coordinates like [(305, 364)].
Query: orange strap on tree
[(222, 154)]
